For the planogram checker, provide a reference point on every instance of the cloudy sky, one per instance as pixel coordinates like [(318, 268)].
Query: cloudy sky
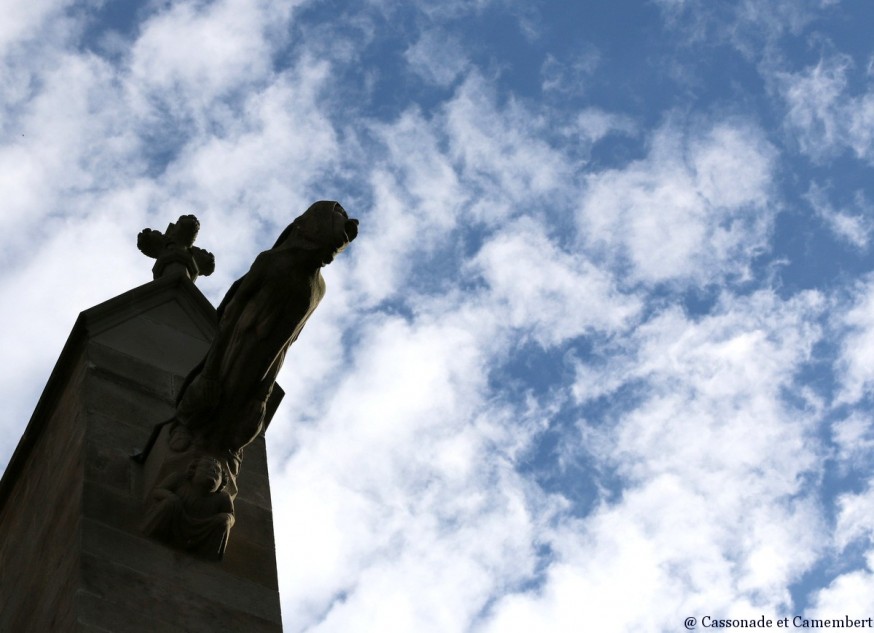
[(602, 357)]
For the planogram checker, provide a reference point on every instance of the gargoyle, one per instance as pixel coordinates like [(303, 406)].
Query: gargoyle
[(224, 398)]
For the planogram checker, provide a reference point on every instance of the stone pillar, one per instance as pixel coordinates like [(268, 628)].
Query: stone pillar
[(72, 556)]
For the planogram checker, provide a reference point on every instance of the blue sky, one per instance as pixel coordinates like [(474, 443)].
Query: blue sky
[(602, 357)]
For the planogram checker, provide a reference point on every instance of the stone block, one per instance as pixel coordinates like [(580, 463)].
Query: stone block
[(120, 510), (134, 372), (251, 560), (255, 456), (177, 571), (150, 341), (115, 400), (254, 488)]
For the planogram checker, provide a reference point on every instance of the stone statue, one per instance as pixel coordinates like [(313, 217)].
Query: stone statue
[(221, 406), (174, 249), (193, 510), (223, 400)]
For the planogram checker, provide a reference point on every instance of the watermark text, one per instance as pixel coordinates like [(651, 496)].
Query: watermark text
[(797, 622)]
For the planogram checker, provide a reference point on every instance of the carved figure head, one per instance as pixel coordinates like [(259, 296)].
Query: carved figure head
[(324, 226), (207, 473)]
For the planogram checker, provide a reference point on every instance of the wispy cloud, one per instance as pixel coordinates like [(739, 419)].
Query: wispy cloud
[(854, 228), (437, 57), (696, 209), (710, 436), (824, 116), (857, 344)]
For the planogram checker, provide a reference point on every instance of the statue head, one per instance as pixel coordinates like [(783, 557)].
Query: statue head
[(325, 226), (207, 474)]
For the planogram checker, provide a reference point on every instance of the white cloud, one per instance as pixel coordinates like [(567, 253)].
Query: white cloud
[(446, 10), (22, 21), (470, 165), (595, 123), (404, 466), (404, 469), (854, 228), (416, 203), (504, 161), (570, 77), (854, 363), (437, 57), (713, 516), (752, 27), (603, 560), (778, 18), (195, 54), (696, 209), (825, 117), (848, 595), (406, 485), (855, 517), (554, 294), (70, 141), (854, 437), (282, 140)]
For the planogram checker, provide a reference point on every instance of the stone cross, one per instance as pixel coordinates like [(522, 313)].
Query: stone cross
[(174, 249)]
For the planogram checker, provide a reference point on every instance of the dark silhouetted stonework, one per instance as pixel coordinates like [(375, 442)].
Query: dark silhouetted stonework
[(223, 406), (72, 553), (192, 460), (174, 250)]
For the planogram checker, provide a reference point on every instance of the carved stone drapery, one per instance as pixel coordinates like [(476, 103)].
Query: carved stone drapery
[(193, 510), (222, 403)]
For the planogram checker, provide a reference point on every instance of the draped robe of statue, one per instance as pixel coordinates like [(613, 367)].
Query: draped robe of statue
[(223, 401), (193, 510)]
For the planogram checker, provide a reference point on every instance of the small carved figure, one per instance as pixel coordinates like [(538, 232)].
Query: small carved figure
[(174, 248), (223, 400), (192, 510)]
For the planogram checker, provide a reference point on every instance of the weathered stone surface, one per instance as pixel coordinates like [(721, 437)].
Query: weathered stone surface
[(212, 581), (256, 456), (133, 373), (148, 341), (174, 249), (252, 560), (40, 519), (72, 556), (256, 485)]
